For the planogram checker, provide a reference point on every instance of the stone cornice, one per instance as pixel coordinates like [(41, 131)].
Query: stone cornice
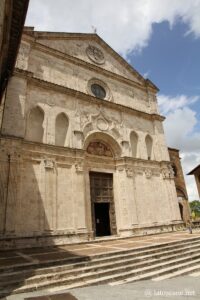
[(87, 65), (140, 162), (47, 150), (29, 76)]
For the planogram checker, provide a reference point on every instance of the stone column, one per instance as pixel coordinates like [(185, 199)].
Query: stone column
[(79, 197)]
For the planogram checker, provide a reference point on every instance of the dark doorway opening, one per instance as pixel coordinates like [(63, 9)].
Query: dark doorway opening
[(181, 210), (102, 202), (102, 219)]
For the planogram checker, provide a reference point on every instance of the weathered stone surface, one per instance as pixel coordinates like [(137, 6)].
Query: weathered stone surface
[(50, 122)]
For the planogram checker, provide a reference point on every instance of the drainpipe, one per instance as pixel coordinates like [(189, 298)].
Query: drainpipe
[(3, 108), (6, 198)]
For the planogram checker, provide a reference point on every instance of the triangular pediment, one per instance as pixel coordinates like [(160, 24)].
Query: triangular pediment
[(91, 49)]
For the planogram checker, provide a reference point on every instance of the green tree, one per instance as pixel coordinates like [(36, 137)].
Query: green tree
[(195, 207)]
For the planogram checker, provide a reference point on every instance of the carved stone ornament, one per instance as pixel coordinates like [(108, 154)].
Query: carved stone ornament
[(95, 54), (22, 60), (99, 148), (49, 164), (102, 124), (171, 172), (148, 173), (79, 167), (165, 173), (139, 170), (120, 168), (129, 172)]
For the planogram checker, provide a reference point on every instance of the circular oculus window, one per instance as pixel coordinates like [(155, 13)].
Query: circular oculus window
[(98, 91)]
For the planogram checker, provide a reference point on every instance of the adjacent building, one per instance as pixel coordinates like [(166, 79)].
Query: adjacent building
[(179, 180), (12, 18), (196, 173)]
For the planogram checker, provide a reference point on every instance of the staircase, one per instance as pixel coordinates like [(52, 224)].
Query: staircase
[(155, 262)]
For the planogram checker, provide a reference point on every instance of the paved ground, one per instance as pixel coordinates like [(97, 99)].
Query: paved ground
[(178, 288)]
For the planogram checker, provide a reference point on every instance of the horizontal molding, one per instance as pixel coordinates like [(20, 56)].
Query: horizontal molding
[(34, 37), (88, 98)]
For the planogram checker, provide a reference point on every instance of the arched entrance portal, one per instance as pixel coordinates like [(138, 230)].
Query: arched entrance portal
[(101, 151)]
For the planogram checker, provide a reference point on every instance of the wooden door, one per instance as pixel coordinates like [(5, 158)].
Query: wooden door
[(103, 213)]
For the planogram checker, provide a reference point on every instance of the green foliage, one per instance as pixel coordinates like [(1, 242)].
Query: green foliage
[(195, 208)]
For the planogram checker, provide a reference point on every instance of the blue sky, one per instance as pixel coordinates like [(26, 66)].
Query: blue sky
[(171, 59), (160, 39)]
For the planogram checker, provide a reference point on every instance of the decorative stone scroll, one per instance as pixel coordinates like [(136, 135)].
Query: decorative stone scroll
[(99, 148)]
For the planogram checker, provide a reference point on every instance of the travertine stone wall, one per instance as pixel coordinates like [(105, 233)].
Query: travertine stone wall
[(53, 68), (85, 113), (44, 186)]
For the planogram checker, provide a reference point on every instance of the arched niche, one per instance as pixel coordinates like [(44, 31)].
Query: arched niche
[(35, 130), (105, 145), (134, 143), (61, 127), (149, 146), (180, 193)]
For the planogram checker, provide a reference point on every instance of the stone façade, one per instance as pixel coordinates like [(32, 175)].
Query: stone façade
[(51, 119)]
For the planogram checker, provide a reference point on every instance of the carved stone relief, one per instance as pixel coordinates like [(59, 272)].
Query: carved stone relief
[(166, 174), (49, 164), (99, 148), (22, 59), (102, 124), (148, 173), (95, 54), (129, 172), (79, 167), (100, 121)]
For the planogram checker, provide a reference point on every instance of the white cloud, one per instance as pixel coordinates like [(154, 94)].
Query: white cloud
[(180, 132), (125, 24), (146, 74), (169, 104)]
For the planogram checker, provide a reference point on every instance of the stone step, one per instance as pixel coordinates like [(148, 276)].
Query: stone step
[(119, 273), (127, 265), (120, 265), (110, 255), (93, 263), (113, 279), (195, 273), (51, 272), (191, 270), (188, 267)]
